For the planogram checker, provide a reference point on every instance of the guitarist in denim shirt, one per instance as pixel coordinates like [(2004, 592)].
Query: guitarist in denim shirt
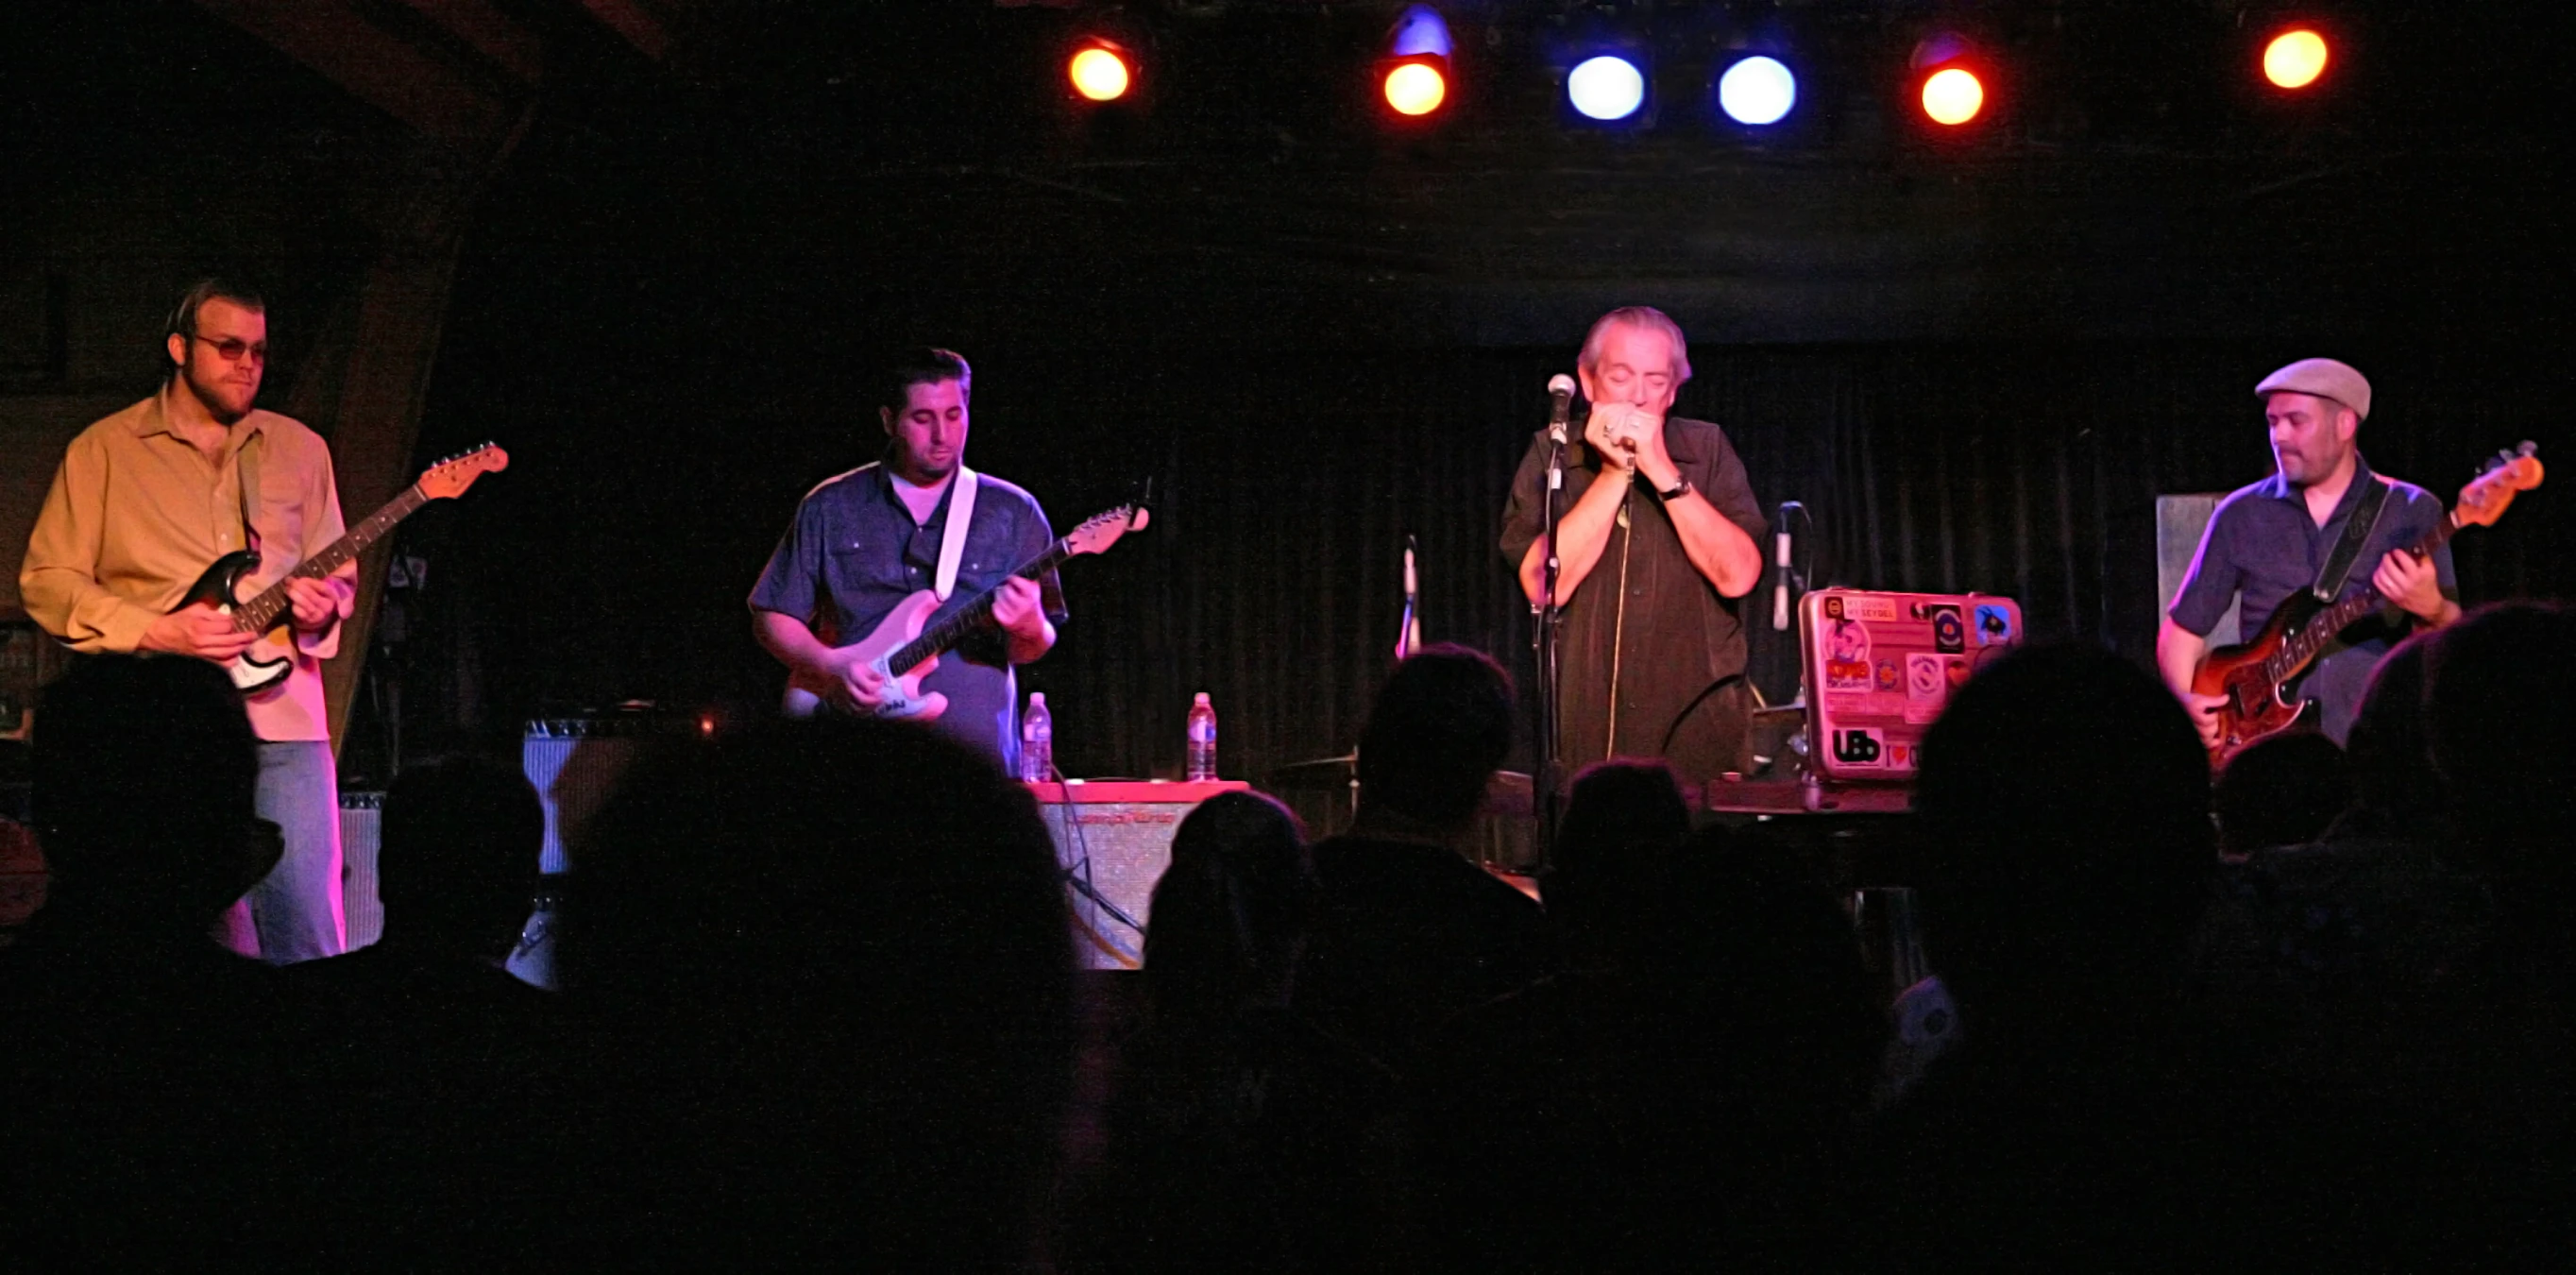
[(866, 540)]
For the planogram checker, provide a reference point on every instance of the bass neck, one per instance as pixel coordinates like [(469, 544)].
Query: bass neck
[(2324, 625)]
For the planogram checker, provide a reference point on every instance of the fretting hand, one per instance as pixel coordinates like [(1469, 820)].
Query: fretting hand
[(2413, 584), (315, 604), (1016, 607)]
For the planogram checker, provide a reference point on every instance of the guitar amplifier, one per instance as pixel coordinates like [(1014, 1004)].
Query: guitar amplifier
[(575, 764), (1112, 841), (362, 835)]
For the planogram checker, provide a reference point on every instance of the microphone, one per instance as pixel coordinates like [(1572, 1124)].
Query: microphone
[(1780, 557), (1560, 404)]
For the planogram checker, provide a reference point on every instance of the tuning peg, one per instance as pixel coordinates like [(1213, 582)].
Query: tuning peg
[(2528, 448)]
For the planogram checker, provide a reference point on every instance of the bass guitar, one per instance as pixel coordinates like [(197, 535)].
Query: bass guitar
[(272, 657), (904, 652), (2250, 676)]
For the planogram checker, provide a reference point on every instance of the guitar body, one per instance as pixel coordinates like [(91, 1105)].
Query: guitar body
[(270, 659), (2255, 706), (903, 698)]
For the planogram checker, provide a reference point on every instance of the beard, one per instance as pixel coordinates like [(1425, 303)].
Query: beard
[(226, 399)]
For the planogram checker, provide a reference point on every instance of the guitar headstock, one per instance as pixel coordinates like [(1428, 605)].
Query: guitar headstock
[(449, 478), (2485, 498), (1103, 529)]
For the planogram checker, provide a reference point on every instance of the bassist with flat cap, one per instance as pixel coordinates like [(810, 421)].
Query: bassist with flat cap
[(2271, 540)]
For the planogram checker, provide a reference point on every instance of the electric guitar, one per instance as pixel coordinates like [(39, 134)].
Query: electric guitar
[(904, 653), (2250, 675), (272, 657)]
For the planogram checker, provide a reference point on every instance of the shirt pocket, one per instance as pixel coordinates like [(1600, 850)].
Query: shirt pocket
[(866, 565)]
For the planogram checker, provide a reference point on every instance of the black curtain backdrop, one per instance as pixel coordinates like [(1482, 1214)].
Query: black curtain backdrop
[(611, 561)]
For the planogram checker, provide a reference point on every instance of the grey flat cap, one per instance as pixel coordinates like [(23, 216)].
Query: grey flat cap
[(2325, 378)]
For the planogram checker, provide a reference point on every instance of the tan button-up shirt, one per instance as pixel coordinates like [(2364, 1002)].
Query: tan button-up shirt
[(137, 513)]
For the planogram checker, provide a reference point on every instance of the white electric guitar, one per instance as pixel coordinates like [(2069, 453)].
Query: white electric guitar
[(904, 652)]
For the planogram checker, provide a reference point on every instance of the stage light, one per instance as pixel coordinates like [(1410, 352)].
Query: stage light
[(2294, 59), (1953, 96), (1100, 72), (1606, 88), (1757, 90), (1414, 78), (1416, 88)]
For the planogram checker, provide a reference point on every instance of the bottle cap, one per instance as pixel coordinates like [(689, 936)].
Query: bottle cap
[(1202, 698), (1037, 697)]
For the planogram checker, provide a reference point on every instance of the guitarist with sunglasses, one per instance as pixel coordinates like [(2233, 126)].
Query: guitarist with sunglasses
[(2323, 521), (143, 502), (864, 541)]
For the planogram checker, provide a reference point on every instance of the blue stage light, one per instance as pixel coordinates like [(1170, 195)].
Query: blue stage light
[(1606, 88), (1419, 32), (1757, 90)]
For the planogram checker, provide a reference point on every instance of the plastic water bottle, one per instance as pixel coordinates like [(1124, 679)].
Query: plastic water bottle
[(1202, 738), (1037, 741)]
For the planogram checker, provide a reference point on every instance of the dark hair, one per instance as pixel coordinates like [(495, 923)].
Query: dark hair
[(922, 365), (872, 970), (183, 316), (143, 778), (2499, 698), (1622, 818), (459, 850), (1440, 726), (2386, 755), (2281, 790), (1231, 911), (2064, 801)]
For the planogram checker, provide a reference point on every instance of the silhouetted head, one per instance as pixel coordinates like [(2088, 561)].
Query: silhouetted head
[(459, 856), (2281, 790), (144, 776), (1620, 818), (835, 962), (1440, 726), (2388, 757), (2500, 708), (2064, 804), (1230, 913)]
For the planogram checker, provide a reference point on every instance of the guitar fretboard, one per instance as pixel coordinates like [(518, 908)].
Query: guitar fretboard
[(953, 629), (256, 615), (2321, 628)]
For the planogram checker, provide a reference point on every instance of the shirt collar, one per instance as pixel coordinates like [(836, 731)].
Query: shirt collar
[(2279, 488), (156, 420)]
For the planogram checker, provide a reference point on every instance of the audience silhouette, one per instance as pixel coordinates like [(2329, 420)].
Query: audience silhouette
[(820, 1005), (828, 978)]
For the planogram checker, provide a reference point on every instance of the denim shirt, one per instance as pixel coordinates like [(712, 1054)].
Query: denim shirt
[(2262, 542), (854, 552)]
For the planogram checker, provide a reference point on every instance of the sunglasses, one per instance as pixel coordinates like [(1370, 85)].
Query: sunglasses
[(232, 349)]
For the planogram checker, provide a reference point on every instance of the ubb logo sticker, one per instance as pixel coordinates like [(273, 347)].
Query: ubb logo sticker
[(1858, 746)]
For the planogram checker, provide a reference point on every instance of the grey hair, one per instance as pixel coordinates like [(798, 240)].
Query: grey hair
[(1637, 316)]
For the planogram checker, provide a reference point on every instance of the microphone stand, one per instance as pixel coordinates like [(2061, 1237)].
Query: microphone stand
[(1546, 763)]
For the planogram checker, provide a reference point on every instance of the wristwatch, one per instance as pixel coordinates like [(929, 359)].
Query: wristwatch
[(1680, 489)]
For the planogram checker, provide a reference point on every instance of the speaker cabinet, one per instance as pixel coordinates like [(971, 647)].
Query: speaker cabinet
[(2179, 522), (362, 827), (1112, 841)]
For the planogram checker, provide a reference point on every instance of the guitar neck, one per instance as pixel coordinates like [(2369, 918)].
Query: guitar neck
[(939, 637), (2322, 627), (260, 612)]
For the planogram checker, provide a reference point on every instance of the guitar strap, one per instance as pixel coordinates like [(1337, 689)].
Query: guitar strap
[(952, 542), (2356, 531), (246, 479)]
